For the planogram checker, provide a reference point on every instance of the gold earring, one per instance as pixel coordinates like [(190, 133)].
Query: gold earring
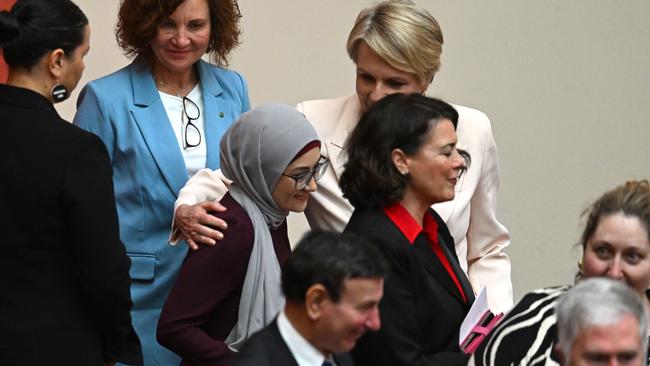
[(580, 264)]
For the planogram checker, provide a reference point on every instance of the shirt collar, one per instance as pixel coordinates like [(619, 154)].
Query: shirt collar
[(303, 351), (407, 224)]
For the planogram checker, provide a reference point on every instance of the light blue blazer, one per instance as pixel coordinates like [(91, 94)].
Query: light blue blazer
[(124, 109)]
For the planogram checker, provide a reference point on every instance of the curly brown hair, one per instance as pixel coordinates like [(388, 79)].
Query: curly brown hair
[(138, 21)]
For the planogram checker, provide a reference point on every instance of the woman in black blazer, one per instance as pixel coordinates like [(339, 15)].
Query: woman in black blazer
[(64, 297), (402, 158)]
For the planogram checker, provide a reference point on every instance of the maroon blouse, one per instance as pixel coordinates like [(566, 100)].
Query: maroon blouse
[(202, 306)]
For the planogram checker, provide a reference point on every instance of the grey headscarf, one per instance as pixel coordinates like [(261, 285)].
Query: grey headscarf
[(255, 151)]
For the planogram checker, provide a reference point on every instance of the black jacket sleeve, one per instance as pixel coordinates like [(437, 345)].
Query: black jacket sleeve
[(102, 266)]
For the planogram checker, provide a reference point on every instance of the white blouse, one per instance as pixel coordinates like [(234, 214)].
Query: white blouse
[(195, 157)]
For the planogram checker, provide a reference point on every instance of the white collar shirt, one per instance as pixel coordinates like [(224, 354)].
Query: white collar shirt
[(303, 351)]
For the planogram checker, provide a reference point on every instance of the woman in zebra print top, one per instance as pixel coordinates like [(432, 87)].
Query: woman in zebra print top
[(615, 243)]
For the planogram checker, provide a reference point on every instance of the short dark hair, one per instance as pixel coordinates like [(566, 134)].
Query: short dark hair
[(329, 258), (397, 121), (34, 27), (137, 25)]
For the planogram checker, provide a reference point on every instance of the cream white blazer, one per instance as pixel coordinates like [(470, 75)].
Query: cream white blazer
[(471, 217)]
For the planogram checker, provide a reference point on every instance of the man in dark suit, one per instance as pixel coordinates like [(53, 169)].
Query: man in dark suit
[(333, 284)]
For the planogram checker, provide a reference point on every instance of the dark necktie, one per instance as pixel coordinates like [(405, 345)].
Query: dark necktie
[(327, 363)]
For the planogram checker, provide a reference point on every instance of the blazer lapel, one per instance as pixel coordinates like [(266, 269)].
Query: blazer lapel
[(343, 359), (336, 144), (460, 274), (215, 110), (151, 118), (449, 249), (433, 265), (281, 354)]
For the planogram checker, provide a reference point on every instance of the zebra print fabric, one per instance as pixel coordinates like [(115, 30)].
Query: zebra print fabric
[(527, 335)]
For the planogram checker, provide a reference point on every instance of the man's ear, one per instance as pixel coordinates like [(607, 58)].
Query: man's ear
[(400, 161), (316, 299), (55, 61)]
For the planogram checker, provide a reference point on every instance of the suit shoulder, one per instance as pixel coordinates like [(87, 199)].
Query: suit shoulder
[(362, 221), (72, 137), (87, 143), (473, 118), (325, 114), (112, 91), (227, 78), (327, 111), (107, 83), (221, 73), (375, 226), (235, 215), (257, 351), (325, 104)]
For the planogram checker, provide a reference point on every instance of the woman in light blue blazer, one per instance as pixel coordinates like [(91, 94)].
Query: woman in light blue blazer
[(162, 118)]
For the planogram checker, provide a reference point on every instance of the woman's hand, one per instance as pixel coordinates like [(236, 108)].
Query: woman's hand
[(197, 225)]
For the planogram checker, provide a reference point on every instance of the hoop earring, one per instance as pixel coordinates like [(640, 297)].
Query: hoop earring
[(59, 92)]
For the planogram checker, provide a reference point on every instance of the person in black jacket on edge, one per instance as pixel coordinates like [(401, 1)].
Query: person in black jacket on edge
[(63, 270)]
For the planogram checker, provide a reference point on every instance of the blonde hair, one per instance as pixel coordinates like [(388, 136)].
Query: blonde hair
[(405, 35)]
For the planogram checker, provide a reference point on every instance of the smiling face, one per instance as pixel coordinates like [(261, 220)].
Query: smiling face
[(182, 38), (435, 168), (341, 323), (619, 249), (377, 79), (285, 195)]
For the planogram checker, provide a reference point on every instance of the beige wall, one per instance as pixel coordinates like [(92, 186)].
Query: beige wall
[(564, 82)]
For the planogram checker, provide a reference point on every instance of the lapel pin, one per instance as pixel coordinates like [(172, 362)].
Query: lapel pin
[(221, 114)]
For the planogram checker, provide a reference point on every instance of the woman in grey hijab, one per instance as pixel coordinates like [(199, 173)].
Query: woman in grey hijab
[(226, 292)]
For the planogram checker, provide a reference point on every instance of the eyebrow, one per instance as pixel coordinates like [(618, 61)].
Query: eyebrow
[(301, 169)]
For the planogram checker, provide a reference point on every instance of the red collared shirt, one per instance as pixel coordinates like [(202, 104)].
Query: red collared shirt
[(411, 229)]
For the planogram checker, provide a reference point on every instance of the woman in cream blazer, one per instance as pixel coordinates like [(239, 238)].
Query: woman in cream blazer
[(396, 46)]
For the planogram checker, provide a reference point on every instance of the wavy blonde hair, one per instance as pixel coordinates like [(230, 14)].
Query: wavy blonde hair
[(405, 35)]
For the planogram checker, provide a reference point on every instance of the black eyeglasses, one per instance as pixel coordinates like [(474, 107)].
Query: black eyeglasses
[(303, 179), (192, 133)]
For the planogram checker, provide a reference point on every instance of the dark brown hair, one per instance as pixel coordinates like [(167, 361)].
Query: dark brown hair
[(370, 180), (138, 21), (32, 28)]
